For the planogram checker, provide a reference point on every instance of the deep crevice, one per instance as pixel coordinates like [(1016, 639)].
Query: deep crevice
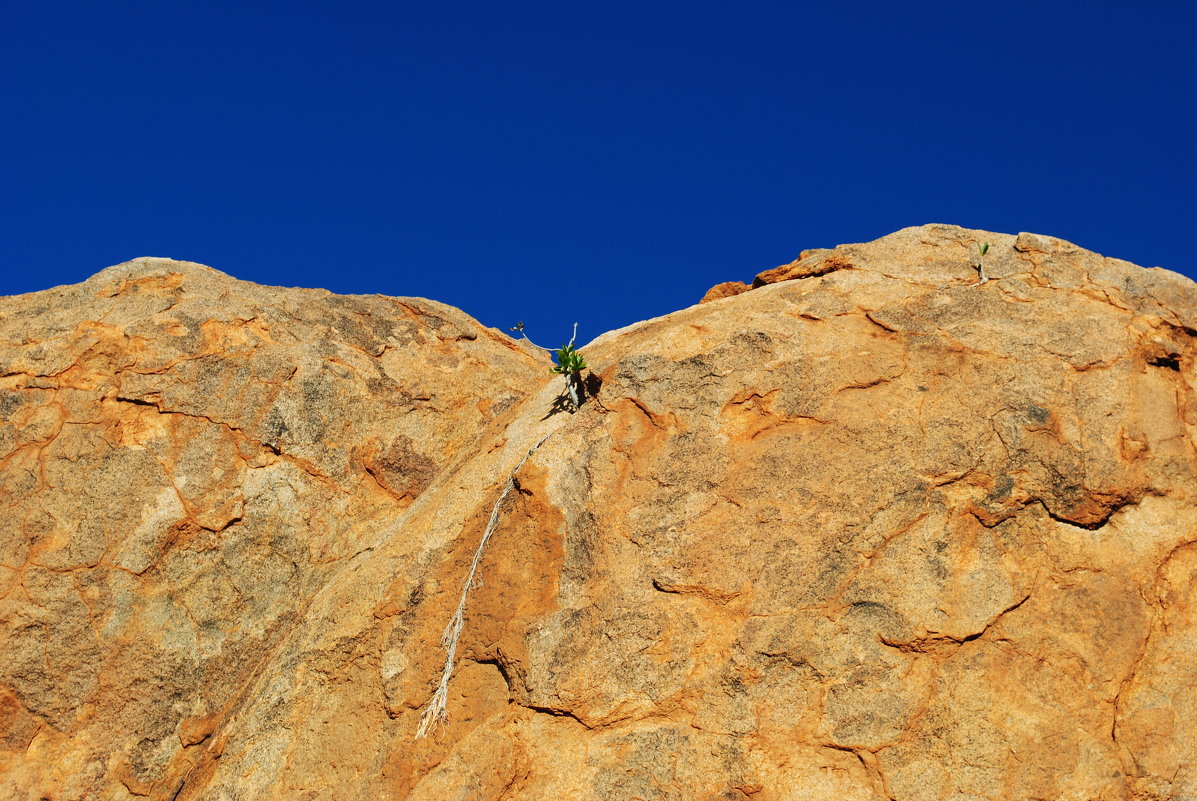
[(869, 316), (138, 402), (592, 384), (557, 713), (499, 665), (1092, 525), (1169, 362), (991, 520)]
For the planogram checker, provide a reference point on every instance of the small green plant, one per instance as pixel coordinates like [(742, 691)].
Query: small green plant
[(570, 363), (984, 247), (569, 360)]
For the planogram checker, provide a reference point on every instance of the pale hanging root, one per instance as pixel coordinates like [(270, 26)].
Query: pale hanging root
[(437, 709)]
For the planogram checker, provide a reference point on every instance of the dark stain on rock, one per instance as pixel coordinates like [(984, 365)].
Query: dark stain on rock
[(1037, 414), (401, 469)]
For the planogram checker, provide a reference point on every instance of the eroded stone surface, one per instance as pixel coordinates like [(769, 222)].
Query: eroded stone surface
[(186, 459), (867, 531), (727, 289)]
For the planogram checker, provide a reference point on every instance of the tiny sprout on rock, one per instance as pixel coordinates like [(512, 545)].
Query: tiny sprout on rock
[(984, 248)]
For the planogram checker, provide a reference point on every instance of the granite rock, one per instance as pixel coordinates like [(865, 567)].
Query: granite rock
[(867, 531)]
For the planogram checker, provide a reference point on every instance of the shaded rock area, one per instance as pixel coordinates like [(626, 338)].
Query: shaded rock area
[(864, 531)]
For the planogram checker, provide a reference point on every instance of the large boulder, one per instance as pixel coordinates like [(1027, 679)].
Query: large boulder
[(869, 530), (187, 459)]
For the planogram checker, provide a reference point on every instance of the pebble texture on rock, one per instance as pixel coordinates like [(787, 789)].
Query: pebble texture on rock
[(863, 531)]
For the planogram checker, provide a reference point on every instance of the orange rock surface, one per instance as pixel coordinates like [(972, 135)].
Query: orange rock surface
[(867, 531), (727, 289)]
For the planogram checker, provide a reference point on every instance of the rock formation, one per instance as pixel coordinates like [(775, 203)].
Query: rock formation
[(863, 531)]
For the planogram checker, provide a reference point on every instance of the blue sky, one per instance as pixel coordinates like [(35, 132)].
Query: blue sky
[(599, 162)]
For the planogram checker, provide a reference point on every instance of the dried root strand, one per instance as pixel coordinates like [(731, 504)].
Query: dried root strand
[(437, 713)]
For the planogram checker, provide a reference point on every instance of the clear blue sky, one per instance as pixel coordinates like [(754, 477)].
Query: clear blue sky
[(594, 161)]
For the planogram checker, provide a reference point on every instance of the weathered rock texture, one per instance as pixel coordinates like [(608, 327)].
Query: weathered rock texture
[(725, 290), (863, 532)]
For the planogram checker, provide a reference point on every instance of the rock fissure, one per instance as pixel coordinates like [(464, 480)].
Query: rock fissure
[(303, 464), (705, 593), (942, 644)]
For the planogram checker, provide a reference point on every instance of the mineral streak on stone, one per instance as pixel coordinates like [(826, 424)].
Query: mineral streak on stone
[(864, 531)]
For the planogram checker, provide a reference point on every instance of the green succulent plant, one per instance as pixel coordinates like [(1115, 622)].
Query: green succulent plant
[(569, 360), (570, 363)]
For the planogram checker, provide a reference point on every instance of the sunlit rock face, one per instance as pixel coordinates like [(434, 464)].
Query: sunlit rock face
[(869, 529)]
